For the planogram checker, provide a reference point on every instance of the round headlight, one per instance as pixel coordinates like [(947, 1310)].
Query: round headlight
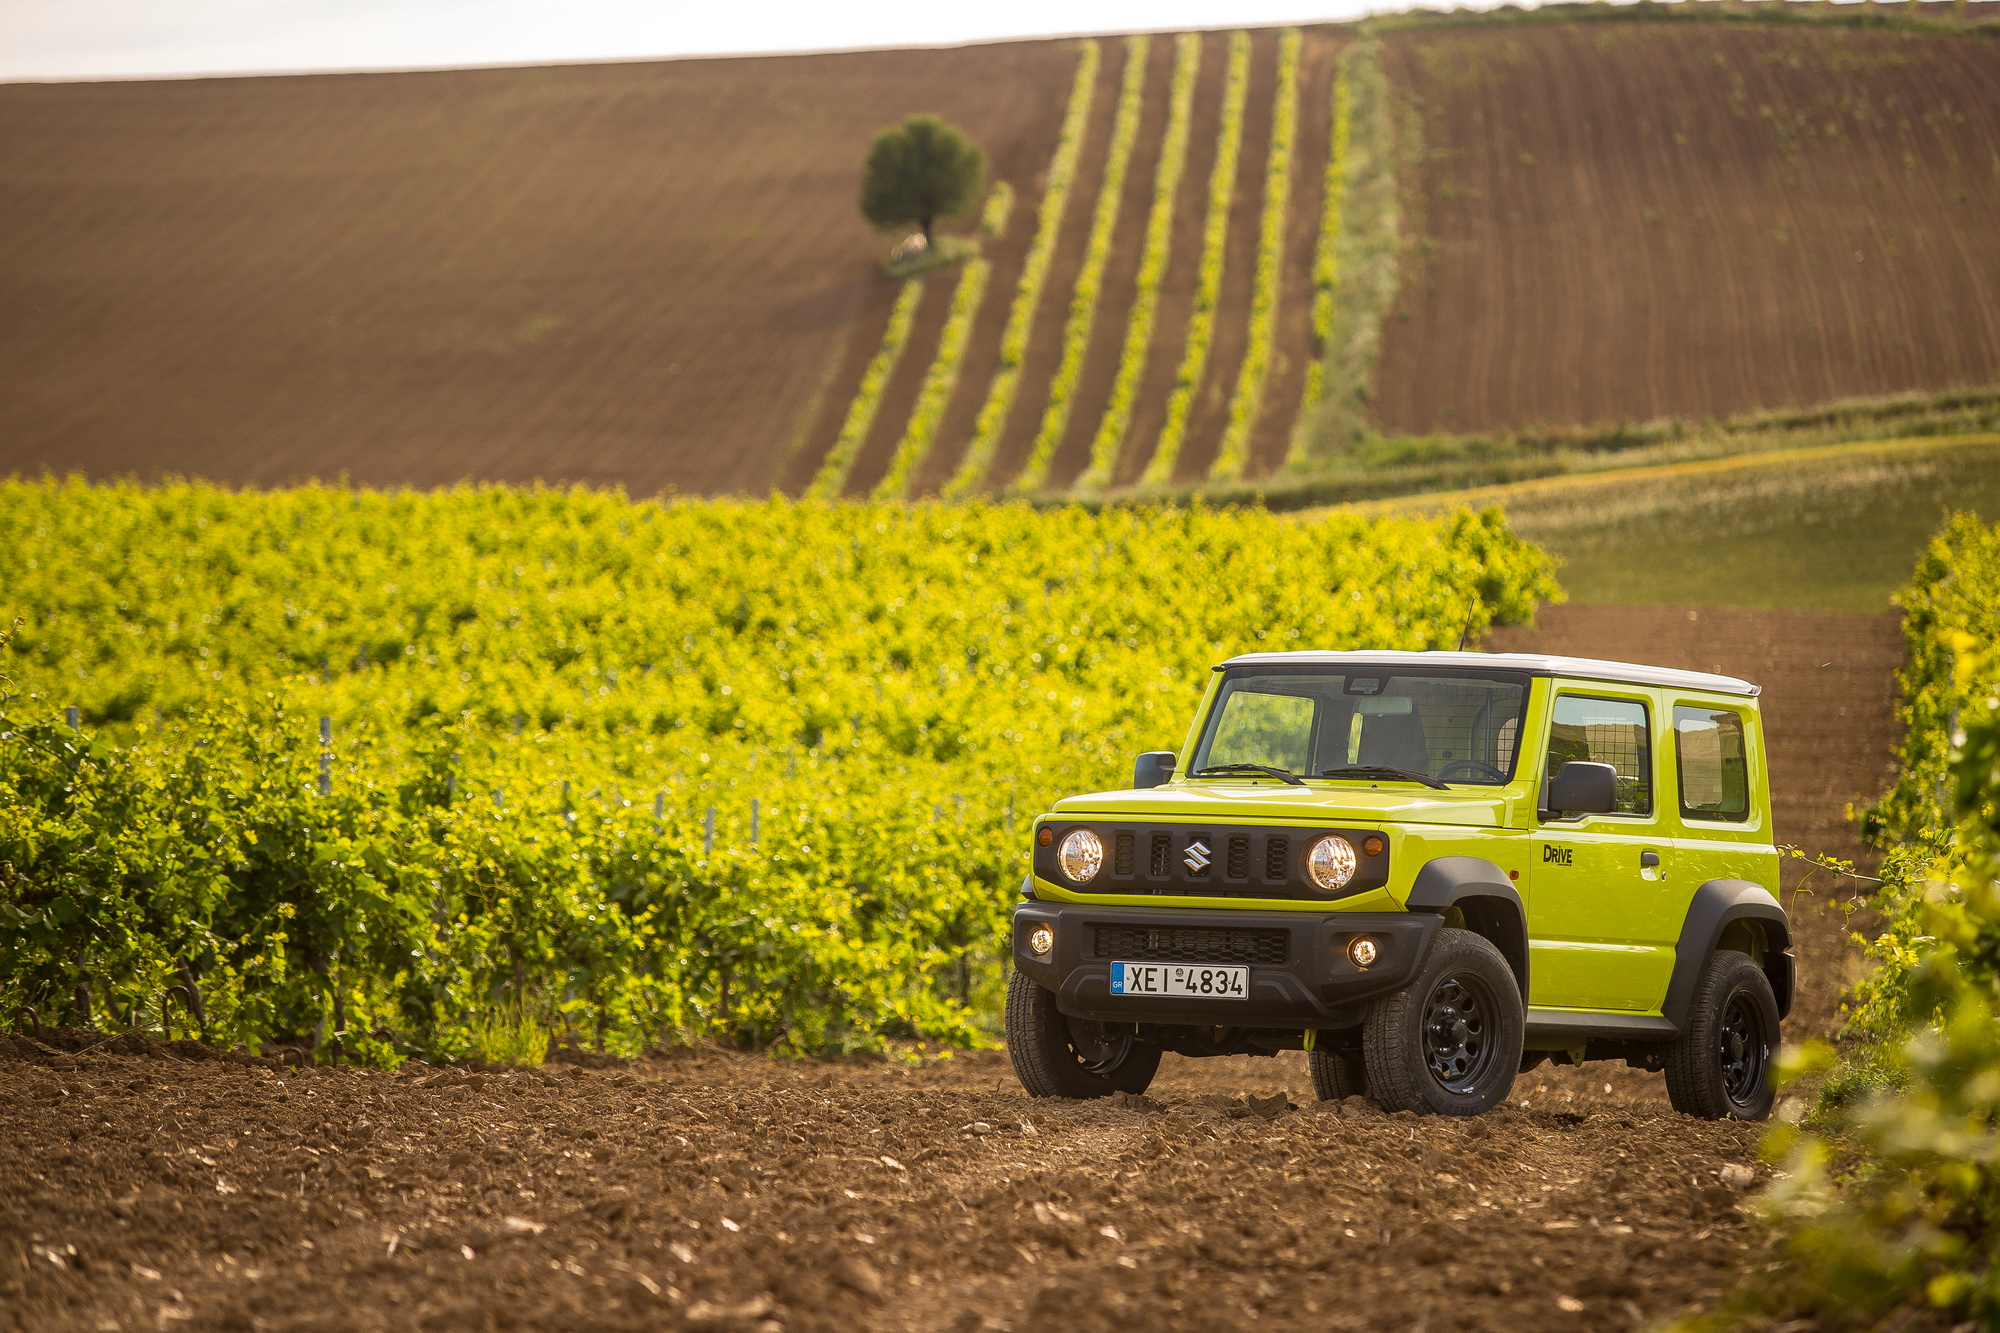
[(1082, 852), (1331, 862)]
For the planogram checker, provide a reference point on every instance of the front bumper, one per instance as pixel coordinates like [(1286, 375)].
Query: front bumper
[(1309, 982)]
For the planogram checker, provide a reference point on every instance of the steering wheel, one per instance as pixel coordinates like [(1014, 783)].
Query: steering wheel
[(1471, 764)]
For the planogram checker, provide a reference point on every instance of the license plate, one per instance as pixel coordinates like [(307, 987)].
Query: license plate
[(1178, 979)]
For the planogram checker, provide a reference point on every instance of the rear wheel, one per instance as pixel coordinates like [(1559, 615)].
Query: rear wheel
[(1056, 1055), (1719, 1068), (1337, 1073), (1449, 1043)]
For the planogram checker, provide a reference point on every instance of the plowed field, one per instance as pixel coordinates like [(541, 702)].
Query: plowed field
[(734, 1193), (1630, 221), (637, 274)]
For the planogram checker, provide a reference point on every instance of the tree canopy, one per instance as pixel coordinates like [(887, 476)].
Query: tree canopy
[(919, 171)]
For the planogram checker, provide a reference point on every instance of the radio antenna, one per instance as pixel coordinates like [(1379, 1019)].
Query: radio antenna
[(1462, 634)]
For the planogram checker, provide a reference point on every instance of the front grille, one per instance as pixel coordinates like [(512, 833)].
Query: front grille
[(1193, 944), (1205, 861)]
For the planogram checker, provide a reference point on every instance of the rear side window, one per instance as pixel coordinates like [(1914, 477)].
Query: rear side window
[(1714, 764), (1606, 731)]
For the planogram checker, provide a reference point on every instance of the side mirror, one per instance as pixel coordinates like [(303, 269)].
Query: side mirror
[(1154, 769), (1584, 788)]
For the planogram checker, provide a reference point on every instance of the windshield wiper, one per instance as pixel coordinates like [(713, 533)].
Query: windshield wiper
[(1383, 771), (1220, 770)]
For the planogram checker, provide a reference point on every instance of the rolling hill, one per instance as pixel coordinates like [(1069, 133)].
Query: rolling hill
[(653, 275)]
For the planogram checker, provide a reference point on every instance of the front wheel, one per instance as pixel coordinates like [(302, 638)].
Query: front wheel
[(1449, 1043), (1056, 1055), (1719, 1068)]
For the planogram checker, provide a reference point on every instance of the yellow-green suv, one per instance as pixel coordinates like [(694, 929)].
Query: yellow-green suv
[(1429, 870)]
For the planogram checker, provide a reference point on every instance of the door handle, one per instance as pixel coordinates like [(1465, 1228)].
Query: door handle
[(1649, 860)]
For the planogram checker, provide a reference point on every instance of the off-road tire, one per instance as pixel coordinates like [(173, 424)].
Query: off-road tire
[(1337, 1074), (1051, 1050), (1449, 1043), (1719, 1068)]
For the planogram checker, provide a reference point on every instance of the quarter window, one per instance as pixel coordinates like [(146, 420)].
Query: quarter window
[(1606, 731), (1714, 764)]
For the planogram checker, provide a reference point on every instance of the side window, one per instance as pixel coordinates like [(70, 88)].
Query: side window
[(1606, 731), (1714, 764), (1258, 728)]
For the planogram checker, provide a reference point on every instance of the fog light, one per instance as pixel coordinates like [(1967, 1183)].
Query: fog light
[(1040, 940), (1331, 862), (1080, 855), (1362, 951)]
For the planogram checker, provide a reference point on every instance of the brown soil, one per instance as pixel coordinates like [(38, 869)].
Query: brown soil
[(1630, 221), (736, 1193), (639, 274), (1829, 708)]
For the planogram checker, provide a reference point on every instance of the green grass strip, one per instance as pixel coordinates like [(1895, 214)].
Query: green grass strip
[(1359, 277), (1117, 419), (939, 381), (831, 478), (1326, 259), (1244, 404), (1090, 279), (1208, 279), (1034, 273)]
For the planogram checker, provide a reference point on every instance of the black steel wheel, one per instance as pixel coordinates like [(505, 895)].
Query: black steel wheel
[(1458, 1018), (1719, 1068), (1449, 1043), (1057, 1055)]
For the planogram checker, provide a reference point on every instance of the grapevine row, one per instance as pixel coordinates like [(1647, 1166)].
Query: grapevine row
[(1090, 279), (1110, 437), (939, 381), (1326, 262), (1208, 281), (1244, 404), (831, 478), (1034, 273)]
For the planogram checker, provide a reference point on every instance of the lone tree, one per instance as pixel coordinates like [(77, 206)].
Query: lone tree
[(919, 171)]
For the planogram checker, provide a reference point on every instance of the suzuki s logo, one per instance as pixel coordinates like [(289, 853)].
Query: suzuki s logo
[(1556, 855), (1197, 858)]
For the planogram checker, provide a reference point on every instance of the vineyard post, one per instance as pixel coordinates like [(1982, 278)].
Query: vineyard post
[(71, 716), (326, 756), (451, 780), (659, 807), (569, 815), (755, 811), (708, 834)]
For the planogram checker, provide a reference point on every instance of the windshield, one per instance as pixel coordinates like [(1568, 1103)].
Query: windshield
[(1462, 729)]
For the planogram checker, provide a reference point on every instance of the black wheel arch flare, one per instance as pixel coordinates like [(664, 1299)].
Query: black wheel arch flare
[(1485, 897), (1718, 905)]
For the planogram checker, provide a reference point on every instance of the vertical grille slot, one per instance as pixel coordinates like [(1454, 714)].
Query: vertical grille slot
[(1238, 864), (1123, 855), (1160, 863), (1277, 860)]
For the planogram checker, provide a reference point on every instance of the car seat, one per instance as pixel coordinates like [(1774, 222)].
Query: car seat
[(1395, 740)]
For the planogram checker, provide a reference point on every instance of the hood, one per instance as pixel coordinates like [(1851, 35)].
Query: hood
[(1250, 802)]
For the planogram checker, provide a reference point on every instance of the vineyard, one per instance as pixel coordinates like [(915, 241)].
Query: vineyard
[(446, 772)]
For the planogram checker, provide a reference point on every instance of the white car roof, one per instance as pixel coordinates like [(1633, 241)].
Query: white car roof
[(1535, 664)]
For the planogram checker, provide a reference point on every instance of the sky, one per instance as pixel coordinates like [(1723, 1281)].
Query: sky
[(98, 39)]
